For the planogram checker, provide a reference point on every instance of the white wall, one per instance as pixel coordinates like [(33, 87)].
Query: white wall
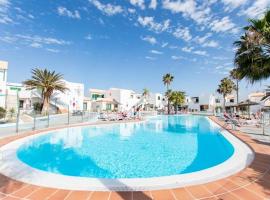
[(126, 98), (73, 97), (156, 100), (3, 82)]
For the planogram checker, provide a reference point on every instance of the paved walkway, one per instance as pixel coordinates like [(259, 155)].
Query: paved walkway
[(253, 183)]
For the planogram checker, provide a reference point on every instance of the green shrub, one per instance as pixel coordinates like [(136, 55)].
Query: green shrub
[(12, 112), (2, 112)]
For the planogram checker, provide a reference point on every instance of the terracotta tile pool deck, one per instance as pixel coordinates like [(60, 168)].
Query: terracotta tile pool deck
[(252, 183)]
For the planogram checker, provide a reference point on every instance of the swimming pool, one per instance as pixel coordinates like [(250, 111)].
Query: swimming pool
[(161, 147)]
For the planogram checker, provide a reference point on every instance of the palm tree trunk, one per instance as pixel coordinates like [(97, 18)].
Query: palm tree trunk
[(224, 103), (175, 109), (237, 92), (169, 110), (46, 103), (237, 95)]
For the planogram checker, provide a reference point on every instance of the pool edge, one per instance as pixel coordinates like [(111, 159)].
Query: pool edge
[(41, 178)]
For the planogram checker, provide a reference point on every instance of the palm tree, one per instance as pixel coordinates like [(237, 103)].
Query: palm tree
[(225, 88), (235, 76), (47, 82), (252, 57), (167, 80), (177, 98), (145, 93)]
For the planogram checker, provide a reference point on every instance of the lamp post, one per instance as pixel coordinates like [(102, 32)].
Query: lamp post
[(18, 108)]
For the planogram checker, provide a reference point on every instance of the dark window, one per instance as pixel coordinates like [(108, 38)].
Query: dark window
[(21, 104), (231, 100), (217, 100), (96, 96), (158, 97), (195, 99)]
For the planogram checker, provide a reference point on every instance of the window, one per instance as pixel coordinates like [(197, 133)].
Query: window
[(217, 100), (195, 99), (108, 106), (131, 96), (231, 100), (84, 106), (158, 97), (96, 96), (204, 107), (21, 103)]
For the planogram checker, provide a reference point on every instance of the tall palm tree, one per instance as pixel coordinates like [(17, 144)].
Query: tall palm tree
[(145, 93), (252, 57), (167, 80), (225, 88), (48, 82), (177, 98), (234, 74)]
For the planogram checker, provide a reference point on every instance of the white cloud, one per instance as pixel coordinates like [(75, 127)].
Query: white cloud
[(182, 33), (188, 8), (89, 37), (223, 25), (65, 12), (177, 57), (4, 12), (150, 58), (33, 40), (139, 3), (197, 52), (201, 40), (164, 44), (204, 42), (201, 53), (4, 19), (149, 39), (150, 23), (36, 45), (187, 49), (232, 4), (210, 43), (4, 2), (257, 9), (131, 10), (107, 9), (31, 16), (153, 4), (156, 52), (42, 40), (53, 50), (8, 39)]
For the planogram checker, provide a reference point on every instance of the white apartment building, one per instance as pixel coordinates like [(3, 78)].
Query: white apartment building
[(72, 99), (123, 100), (209, 102), (3, 83), (157, 100), (13, 95)]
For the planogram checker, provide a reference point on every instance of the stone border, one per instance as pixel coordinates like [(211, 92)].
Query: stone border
[(14, 168)]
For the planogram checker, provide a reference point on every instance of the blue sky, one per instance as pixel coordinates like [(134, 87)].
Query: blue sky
[(127, 43)]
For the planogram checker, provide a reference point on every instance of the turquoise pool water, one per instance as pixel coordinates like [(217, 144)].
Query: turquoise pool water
[(161, 146)]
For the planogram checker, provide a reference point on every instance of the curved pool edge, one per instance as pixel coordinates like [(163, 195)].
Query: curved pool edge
[(16, 169)]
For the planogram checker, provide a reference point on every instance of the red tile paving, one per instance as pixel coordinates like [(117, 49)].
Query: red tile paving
[(252, 183)]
